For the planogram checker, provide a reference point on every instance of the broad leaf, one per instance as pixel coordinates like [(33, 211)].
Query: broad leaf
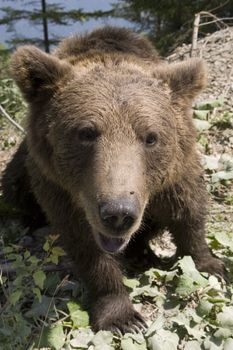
[(81, 338), (201, 125), (39, 278), (53, 338), (163, 340)]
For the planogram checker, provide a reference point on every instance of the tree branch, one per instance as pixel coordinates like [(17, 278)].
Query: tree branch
[(11, 120), (195, 33), (197, 24)]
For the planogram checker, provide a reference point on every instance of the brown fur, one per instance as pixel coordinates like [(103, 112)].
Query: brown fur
[(111, 81)]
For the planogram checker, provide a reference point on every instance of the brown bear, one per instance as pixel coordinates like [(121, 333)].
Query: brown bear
[(110, 157)]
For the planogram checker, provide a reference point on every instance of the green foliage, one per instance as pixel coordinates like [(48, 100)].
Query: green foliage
[(11, 100), (133, 342), (4, 61), (52, 337), (209, 116), (224, 121), (78, 317), (10, 97), (24, 287)]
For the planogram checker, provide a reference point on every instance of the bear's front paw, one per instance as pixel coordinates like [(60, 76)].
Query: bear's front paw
[(213, 266), (115, 313)]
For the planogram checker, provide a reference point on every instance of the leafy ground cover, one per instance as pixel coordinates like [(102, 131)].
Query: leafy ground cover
[(42, 304)]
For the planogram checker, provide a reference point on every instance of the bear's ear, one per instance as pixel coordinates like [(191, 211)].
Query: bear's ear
[(36, 72), (185, 79)]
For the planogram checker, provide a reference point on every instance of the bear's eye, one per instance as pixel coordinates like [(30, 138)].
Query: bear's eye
[(151, 139), (87, 135)]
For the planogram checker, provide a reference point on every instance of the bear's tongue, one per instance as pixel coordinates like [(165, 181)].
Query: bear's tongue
[(111, 244)]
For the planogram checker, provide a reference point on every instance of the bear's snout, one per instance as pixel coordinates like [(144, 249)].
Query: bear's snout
[(119, 215)]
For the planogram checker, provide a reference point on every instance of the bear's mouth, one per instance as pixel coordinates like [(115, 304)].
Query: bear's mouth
[(111, 244)]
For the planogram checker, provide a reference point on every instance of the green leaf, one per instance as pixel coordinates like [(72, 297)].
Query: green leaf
[(51, 282), (81, 338), (201, 114), (15, 296), (131, 282), (56, 253), (101, 347), (56, 337), (228, 345), (223, 121), (73, 306), (211, 162), (46, 246), (102, 337), (39, 278), (211, 343), (7, 250), (26, 254), (162, 340), (33, 260), (186, 286), (137, 337), (182, 319), (19, 281), (79, 318), (102, 340), (204, 307), (210, 104), (227, 161), (147, 290), (201, 125), (192, 314), (156, 325), (188, 268), (214, 283), (223, 333), (224, 238), (128, 343), (53, 337), (225, 318), (41, 308), (222, 175), (191, 280), (37, 293), (192, 345)]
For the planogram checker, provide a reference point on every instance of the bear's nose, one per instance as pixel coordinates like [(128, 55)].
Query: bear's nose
[(119, 215)]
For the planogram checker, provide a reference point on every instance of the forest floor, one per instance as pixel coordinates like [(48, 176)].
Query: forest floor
[(40, 301)]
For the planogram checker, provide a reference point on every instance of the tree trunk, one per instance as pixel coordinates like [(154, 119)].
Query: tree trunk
[(45, 26)]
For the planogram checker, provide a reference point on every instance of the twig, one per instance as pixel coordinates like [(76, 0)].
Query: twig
[(219, 6), (11, 120), (197, 25), (50, 304), (217, 20), (195, 33), (209, 14)]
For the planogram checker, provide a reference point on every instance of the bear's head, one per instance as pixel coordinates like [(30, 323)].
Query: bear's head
[(112, 131)]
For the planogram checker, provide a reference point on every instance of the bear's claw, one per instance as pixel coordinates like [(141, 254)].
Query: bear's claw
[(115, 313)]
